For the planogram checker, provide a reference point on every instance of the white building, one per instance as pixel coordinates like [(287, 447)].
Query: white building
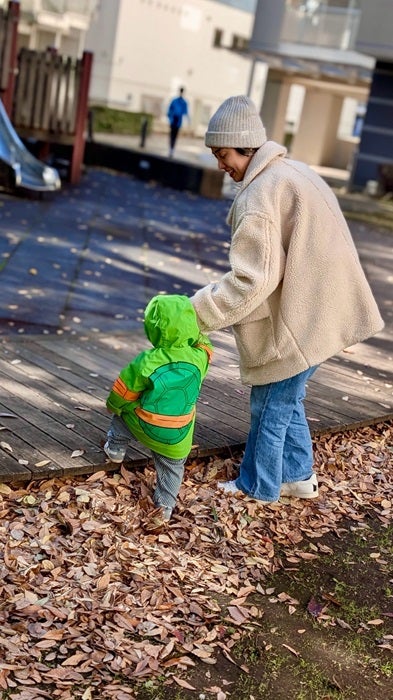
[(59, 24), (144, 50), (315, 73), (296, 59)]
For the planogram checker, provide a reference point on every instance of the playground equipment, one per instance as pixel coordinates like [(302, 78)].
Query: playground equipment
[(45, 100), (51, 102), (18, 167)]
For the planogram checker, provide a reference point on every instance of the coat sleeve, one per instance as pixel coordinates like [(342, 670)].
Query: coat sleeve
[(257, 262), (126, 388)]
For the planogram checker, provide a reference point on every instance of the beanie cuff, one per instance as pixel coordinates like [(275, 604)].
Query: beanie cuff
[(236, 139)]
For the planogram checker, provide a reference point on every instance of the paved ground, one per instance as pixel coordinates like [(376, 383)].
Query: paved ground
[(90, 257)]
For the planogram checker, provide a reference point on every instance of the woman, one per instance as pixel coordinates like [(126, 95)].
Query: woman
[(295, 295)]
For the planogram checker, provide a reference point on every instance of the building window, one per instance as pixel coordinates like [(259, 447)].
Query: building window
[(239, 43), (217, 39)]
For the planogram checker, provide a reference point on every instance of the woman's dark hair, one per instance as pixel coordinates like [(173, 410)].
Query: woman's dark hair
[(246, 151)]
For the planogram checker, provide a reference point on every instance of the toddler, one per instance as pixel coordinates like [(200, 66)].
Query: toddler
[(154, 397)]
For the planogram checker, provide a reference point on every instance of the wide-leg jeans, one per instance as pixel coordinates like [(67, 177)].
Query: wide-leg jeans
[(279, 446)]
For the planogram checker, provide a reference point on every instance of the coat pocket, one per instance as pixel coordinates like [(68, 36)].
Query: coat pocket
[(256, 342)]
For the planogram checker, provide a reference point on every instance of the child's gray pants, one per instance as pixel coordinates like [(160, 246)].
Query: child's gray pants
[(169, 471)]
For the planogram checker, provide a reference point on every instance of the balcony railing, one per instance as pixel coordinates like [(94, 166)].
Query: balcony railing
[(318, 24), (58, 7)]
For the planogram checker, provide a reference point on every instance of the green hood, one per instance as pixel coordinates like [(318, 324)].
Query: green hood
[(162, 325)]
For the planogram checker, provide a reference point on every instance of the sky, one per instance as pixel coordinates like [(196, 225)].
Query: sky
[(247, 5)]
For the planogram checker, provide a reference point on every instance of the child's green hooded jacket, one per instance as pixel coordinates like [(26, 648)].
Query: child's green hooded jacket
[(155, 395)]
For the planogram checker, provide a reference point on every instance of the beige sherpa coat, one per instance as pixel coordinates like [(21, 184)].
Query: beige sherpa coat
[(296, 293)]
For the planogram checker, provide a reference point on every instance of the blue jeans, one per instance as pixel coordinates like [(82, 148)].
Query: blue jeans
[(279, 446)]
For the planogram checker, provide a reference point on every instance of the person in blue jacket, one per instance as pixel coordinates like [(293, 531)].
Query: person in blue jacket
[(177, 109)]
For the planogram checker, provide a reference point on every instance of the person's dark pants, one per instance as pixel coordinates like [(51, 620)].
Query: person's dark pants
[(173, 136)]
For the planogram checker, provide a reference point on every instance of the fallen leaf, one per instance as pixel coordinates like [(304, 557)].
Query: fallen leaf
[(375, 622), (183, 683), (6, 446), (293, 651), (77, 453)]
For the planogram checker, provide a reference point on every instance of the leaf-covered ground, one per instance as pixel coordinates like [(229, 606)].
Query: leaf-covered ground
[(93, 607)]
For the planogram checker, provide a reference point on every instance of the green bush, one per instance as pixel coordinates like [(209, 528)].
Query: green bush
[(118, 121)]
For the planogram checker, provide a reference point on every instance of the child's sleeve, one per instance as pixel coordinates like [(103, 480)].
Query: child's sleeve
[(126, 388), (205, 343)]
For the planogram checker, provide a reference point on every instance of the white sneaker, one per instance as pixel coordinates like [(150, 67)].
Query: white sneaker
[(115, 454), (228, 486), (301, 489)]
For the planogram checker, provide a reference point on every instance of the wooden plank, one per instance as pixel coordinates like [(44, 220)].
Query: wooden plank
[(357, 399), (204, 429), (214, 389), (11, 471), (54, 399), (21, 440), (46, 378), (56, 107), (367, 375), (20, 99), (55, 440), (67, 118), (65, 375), (8, 44), (38, 77), (4, 64)]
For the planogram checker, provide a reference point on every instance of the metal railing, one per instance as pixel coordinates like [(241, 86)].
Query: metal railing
[(58, 7), (318, 24)]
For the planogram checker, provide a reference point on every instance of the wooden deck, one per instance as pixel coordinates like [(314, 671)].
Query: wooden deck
[(53, 418)]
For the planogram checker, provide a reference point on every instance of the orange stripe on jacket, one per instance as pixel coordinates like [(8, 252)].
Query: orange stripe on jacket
[(164, 421), (206, 348), (120, 388)]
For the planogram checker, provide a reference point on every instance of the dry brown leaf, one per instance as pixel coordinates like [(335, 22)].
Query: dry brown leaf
[(77, 453), (104, 581), (375, 622), (183, 683), (293, 651), (6, 446), (100, 580), (75, 659)]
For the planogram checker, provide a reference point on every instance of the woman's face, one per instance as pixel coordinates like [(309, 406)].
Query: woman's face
[(232, 162)]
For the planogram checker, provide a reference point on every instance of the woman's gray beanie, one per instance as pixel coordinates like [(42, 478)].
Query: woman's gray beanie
[(236, 124)]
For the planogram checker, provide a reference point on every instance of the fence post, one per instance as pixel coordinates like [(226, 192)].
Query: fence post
[(80, 120), (144, 125), (9, 56)]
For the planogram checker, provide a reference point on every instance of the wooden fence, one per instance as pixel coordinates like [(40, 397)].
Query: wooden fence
[(51, 101), (8, 39)]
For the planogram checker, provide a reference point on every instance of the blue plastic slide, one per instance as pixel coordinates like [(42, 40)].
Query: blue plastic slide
[(20, 167)]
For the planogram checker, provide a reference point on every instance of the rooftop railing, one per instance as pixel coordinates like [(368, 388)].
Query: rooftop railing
[(59, 7), (321, 25)]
